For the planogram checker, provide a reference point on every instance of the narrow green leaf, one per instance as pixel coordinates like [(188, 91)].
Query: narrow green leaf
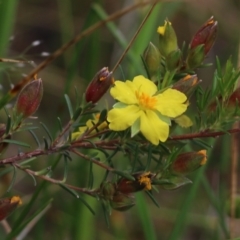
[(86, 204), (35, 138), (106, 211), (46, 146), (47, 131), (60, 124), (124, 174), (69, 105), (65, 168), (69, 190), (13, 179), (149, 193), (77, 114), (90, 176), (16, 142)]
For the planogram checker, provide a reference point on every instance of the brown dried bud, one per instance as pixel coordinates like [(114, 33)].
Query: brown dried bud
[(188, 162), (99, 85), (187, 84), (142, 182), (8, 205), (29, 98)]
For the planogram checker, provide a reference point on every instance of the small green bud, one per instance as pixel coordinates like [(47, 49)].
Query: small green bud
[(99, 85), (152, 59), (122, 202), (167, 39), (195, 57), (173, 60), (107, 190), (29, 98)]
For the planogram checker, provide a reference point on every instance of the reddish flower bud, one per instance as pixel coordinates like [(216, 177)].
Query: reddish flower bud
[(122, 202), (205, 35), (99, 85), (142, 182), (29, 98), (8, 205), (234, 98), (188, 162)]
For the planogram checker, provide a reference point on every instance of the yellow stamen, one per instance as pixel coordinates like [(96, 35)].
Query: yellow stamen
[(145, 180), (204, 154), (15, 199), (146, 101)]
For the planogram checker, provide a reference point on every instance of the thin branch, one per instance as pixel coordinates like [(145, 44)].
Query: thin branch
[(204, 134), (104, 144), (92, 160), (91, 192), (134, 36)]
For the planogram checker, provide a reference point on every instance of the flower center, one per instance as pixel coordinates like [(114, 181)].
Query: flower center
[(146, 101)]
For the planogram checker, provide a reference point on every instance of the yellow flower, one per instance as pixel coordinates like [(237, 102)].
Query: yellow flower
[(143, 109), (89, 124)]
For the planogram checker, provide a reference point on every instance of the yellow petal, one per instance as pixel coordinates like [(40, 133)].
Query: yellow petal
[(145, 85), (161, 29), (184, 121), (75, 135), (153, 128), (171, 103), (124, 92), (122, 118)]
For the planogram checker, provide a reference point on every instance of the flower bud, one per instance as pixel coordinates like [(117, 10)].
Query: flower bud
[(188, 162), (99, 85), (234, 98), (142, 182), (107, 190), (173, 60), (29, 98), (206, 35), (167, 39), (152, 59), (187, 84), (8, 205), (122, 202), (195, 57)]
